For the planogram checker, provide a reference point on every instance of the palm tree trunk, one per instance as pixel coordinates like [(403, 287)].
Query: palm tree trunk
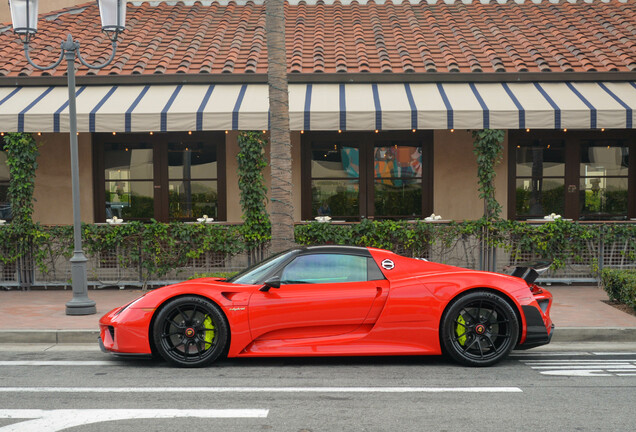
[(281, 208)]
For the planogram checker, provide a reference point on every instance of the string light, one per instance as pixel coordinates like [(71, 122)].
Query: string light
[(376, 131), (189, 132), (302, 132), (527, 130), (452, 130), (413, 130), (226, 132), (114, 133), (565, 130), (152, 133), (339, 130)]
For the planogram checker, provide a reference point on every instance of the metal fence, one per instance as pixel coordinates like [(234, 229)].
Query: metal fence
[(109, 268)]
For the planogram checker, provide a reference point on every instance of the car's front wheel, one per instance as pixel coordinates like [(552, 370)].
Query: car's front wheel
[(190, 332), (479, 329)]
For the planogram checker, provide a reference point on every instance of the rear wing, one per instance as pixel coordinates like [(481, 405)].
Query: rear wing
[(529, 271)]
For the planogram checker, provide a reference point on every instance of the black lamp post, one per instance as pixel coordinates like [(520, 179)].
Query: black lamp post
[(24, 14)]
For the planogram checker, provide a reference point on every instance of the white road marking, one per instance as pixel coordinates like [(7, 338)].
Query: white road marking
[(57, 420), (56, 363), (260, 389), (584, 367)]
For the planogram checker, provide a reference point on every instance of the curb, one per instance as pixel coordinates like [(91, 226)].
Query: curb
[(594, 334), (562, 334), (48, 336)]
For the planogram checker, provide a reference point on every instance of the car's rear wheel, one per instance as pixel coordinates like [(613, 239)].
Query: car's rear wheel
[(190, 332), (479, 329)]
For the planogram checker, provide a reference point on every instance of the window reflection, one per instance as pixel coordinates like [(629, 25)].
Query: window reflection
[(398, 185), (325, 268), (604, 171), (192, 187), (5, 205), (540, 183), (335, 188), (128, 174)]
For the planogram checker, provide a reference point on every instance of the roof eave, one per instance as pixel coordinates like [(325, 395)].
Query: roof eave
[(323, 78)]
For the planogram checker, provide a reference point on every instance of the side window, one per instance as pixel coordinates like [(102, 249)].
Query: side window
[(325, 268)]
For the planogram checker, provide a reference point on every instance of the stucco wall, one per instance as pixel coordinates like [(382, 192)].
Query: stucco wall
[(53, 195), (455, 177), (234, 211)]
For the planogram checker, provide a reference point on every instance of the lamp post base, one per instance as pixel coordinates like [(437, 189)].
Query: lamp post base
[(80, 304), (81, 307)]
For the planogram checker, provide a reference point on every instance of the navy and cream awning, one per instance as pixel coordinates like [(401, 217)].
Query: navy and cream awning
[(326, 107)]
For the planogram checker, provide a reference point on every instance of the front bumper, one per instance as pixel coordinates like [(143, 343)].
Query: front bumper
[(126, 331)]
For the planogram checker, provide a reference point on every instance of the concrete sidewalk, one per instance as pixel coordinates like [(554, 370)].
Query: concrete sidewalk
[(39, 316)]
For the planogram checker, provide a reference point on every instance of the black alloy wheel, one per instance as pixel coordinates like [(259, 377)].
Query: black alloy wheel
[(190, 332), (479, 329)]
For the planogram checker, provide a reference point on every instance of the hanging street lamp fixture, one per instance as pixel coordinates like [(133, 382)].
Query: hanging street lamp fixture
[(24, 14)]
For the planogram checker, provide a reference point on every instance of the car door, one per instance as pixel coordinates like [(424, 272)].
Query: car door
[(321, 294)]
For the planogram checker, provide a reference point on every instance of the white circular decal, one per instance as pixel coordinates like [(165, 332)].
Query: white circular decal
[(388, 264)]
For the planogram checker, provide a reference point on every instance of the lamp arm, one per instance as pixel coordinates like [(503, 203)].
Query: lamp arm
[(100, 65), (53, 65)]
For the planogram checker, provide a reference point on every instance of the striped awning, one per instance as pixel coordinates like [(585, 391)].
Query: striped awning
[(346, 107)]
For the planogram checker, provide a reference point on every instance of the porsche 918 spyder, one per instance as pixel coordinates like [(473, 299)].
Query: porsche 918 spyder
[(336, 301)]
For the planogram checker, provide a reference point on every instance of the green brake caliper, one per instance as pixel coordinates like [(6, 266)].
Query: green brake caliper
[(461, 330), (209, 331)]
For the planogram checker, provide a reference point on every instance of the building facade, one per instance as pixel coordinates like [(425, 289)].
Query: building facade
[(383, 98)]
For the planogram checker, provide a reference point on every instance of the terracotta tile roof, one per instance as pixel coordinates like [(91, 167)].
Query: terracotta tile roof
[(390, 37)]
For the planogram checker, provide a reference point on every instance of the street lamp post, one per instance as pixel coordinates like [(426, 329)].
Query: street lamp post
[(24, 14)]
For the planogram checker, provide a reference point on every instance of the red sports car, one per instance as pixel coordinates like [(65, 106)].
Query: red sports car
[(336, 301)]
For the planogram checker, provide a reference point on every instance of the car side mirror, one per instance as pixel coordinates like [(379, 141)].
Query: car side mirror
[(273, 282)]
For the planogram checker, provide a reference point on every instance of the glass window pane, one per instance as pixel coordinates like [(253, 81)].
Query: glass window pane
[(398, 197), (123, 162), (541, 159), (192, 161), (335, 161), (335, 198), (4, 168), (604, 158), (193, 199), (602, 196), (397, 161), (130, 199), (540, 197), (5, 206), (325, 268)]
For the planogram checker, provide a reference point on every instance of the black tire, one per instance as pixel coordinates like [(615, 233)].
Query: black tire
[(190, 332), (479, 329)]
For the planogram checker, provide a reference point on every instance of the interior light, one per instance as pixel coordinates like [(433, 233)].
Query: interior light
[(548, 145)]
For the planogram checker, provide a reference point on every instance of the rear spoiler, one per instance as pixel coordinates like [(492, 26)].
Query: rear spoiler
[(529, 271)]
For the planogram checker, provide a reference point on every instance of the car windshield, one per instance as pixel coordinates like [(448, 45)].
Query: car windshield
[(254, 274)]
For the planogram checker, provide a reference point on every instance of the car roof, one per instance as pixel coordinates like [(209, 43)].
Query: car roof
[(351, 250)]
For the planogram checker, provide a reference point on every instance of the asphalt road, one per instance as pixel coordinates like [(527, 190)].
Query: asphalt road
[(84, 390)]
